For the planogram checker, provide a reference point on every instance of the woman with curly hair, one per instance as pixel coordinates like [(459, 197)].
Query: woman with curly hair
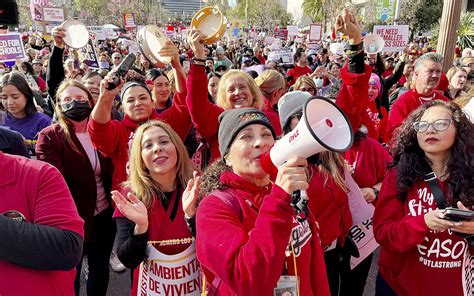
[(422, 252)]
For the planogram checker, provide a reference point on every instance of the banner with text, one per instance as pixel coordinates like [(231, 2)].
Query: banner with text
[(11, 47), (161, 274), (395, 36), (315, 32), (284, 56), (53, 14), (385, 9)]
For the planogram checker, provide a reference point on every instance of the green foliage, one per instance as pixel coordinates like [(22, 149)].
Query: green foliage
[(260, 13), (420, 15), (314, 9), (465, 32)]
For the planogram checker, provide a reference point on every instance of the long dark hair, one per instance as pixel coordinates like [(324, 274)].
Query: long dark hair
[(211, 178), (17, 79), (412, 165)]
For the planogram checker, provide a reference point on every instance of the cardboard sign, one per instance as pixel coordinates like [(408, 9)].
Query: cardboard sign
[(11, 47), (286, 56), (315, 32), (53, 14), (292, 30), (88, 54), (395, 36)]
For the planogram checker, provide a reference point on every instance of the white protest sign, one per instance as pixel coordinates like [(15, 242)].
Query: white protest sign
[(360, 209), (184, 33), (53, 14), (395, 37), (292, 30), (315, 32), (109, 33), (162, 274), (269, 40), (363, 236), (98, 30), (284, 56)]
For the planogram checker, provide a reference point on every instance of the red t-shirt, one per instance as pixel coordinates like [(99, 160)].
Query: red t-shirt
[(415, 260), (376, 126), (298, 71), (38, 191)]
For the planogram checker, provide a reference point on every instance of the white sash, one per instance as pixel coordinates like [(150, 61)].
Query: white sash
[(162, 274)]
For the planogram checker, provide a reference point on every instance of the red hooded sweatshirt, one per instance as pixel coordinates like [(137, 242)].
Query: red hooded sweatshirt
[(415, 260), (248, 253), (115, 137)]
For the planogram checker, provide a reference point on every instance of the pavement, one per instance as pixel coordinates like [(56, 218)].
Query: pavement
[(119, 283)]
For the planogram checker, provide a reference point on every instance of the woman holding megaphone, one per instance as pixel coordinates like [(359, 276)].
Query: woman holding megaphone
[(249, 239)]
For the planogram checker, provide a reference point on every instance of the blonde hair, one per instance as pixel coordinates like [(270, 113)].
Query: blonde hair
[(333, 163), (270, 81), (140, 180), (307, 80), (171, 79), (64, 123), (222, 100), (453, 70)]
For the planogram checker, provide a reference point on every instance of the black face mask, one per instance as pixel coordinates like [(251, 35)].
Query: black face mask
[(77, 111)]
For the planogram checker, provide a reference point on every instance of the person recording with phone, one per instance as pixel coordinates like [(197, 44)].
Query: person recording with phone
[(114, 137), (424, 253)]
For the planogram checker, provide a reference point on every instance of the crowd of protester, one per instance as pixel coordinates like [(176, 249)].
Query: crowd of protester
[(168, 162)]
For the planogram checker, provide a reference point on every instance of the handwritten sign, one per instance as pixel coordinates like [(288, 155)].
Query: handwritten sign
[(11, 47), (53, 14), (395, 37)]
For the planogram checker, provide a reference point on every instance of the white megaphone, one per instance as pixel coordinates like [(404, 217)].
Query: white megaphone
[(373, 44), (322, 127)]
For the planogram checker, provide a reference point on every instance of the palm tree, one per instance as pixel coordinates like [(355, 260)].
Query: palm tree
[(314, 9)]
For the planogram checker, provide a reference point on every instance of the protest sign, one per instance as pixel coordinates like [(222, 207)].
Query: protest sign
[(161, 274), (129, 20), (269, 40), (360, 209), (395, 37), (53, 14), (363, 236), (315, 32), (284, 56), (385, 9), (281, 34), (98, 30), (292, 30), (88, 54), (11, 47), (36, 9)]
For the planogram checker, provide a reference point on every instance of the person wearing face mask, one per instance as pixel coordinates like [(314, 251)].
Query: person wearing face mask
[(67, 146)]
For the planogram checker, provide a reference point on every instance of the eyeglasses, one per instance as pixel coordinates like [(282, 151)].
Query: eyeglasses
[(439, 125)]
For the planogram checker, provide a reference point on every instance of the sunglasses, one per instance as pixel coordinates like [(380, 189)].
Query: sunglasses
[(439, 125)]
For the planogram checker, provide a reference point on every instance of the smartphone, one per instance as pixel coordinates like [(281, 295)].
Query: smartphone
[(454, 214), (122, 70)]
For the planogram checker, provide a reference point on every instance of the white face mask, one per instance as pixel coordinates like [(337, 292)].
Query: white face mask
[(319, 82), (104, 65)]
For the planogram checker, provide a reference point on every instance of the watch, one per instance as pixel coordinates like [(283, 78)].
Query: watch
[(376, 191)]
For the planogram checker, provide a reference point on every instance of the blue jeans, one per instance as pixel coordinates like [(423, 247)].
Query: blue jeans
[(382, 288)]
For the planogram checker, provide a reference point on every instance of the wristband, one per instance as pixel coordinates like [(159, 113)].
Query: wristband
[(376, 191), (355, 47), (199, 60)]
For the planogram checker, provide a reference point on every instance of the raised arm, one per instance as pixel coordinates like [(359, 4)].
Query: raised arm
[(55, 72), (204, 114)]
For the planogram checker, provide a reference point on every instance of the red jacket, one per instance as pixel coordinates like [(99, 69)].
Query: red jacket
[(404, 105), (248, 252), (415, 260), (329, 204), (114, 138), (204, 114), (272, 116), (353, 96)]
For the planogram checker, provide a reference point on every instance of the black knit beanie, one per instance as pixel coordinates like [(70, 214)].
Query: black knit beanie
[(232, 121)]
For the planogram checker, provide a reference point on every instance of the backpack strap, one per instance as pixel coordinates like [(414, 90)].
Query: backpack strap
[(233, 203), (432, 180)]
